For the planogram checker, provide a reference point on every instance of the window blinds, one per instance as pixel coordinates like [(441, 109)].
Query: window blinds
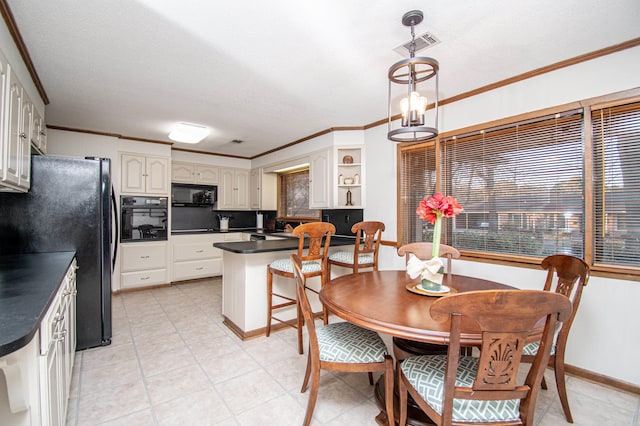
[(616, 158)]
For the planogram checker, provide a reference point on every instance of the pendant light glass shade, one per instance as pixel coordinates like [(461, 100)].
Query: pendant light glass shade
[(410, 80)]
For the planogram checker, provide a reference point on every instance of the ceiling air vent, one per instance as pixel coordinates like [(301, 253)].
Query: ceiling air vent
[(422, 42)]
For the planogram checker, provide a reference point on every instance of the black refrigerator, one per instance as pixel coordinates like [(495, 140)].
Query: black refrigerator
[(70, 206)]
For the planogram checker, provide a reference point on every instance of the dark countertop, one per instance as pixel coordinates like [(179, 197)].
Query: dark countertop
[(218, 231), (263, 246), (28, 283)]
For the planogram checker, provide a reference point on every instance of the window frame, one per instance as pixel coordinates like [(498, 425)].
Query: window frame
[(281, 211), (607, 270)]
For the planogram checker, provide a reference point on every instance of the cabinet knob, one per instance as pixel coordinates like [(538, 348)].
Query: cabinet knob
[(23, 135)]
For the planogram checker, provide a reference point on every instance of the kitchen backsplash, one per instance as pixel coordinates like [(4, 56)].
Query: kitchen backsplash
[(204, 218)]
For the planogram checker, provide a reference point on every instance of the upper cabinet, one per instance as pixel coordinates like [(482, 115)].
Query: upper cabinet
[(194, 173), (263, 190), (349, 173), (20, 125), (233, 189), (142, 174), (320, 180), (16, 153)]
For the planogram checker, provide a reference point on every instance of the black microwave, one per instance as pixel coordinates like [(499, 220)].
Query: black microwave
[(186, 195)]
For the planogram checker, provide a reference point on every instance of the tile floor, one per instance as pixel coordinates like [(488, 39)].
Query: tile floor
[(173, 362)]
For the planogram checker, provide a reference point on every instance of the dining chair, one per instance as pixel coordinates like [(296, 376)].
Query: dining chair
[(463, 389), (365, 250), (340, 346), (314, 263), (424, 250), (403, 348), (566, 275)]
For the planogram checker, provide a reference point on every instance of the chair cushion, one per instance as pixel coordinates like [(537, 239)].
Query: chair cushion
[(346, 342), (347, 257), (286, 266), (532, 349), (426, 375)]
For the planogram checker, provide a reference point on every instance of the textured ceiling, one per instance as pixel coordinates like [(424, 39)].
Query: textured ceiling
[(273, 72)]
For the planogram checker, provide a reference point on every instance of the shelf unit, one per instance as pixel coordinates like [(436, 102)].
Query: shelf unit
[(349, 177)]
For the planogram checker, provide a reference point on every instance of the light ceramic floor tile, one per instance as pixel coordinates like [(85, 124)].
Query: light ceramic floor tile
[(171, 349), (244, 392), (199, 408)]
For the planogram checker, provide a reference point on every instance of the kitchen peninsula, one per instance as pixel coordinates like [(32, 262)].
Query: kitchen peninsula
[(244, 281)]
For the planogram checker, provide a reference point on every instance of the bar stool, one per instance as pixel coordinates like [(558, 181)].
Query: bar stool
[(318, 237), (365, 253)]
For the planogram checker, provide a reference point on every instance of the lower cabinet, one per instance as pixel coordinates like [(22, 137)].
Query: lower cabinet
[(194, 256), (144, 264), (57, 352)]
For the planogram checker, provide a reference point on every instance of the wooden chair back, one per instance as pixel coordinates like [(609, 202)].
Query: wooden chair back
[(423, 251), (506, 318), (305, 308), (566, 275), (318, 235), (368, 236)]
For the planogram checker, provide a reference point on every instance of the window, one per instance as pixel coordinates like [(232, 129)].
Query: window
[(616, 159), (521, 187), (293, 196)]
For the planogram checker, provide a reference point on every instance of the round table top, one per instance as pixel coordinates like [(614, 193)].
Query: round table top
[(380, 301)]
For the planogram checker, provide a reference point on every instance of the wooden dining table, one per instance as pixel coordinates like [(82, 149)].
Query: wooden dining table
[(383, 301)]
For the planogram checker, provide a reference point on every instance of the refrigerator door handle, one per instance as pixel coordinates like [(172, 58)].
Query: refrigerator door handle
[(117, 233)]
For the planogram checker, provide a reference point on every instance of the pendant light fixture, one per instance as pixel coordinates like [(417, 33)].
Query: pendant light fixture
[(409, 82)]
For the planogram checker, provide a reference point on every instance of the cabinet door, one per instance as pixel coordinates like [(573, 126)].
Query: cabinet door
[(319, 180), (24, 151), (254, 189), (4, 80), (206, 174), (132, 171), (38, 134), (242, 189), (12, 148), (182, 172), (226, 189), (157, 171)]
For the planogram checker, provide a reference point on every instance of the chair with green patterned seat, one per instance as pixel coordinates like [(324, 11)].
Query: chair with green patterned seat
[(566, 275), (455, 389), (340, 346)]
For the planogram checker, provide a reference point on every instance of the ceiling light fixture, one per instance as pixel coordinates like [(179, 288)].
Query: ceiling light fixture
[(406, 75), (188, 133)]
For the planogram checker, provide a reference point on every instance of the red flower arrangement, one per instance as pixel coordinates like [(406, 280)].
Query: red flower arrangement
[(433, 209)]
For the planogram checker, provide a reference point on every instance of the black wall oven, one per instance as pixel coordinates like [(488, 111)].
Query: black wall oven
[(143, 219)]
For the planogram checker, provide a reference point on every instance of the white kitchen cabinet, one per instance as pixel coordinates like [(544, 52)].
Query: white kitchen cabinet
[(263, 193), (144, 264), (16, 153), (38, 134), (233, 189), (194, 173), (349, 174), (320, 180), (142, 174), (194, 256), (57, 352)]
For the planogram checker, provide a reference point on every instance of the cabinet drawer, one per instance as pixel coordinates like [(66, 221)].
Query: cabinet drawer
[(143, 278), (197, 269), (194, 251), (143, 256)]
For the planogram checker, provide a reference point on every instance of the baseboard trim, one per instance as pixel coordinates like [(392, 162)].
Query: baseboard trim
[(602, 379)]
